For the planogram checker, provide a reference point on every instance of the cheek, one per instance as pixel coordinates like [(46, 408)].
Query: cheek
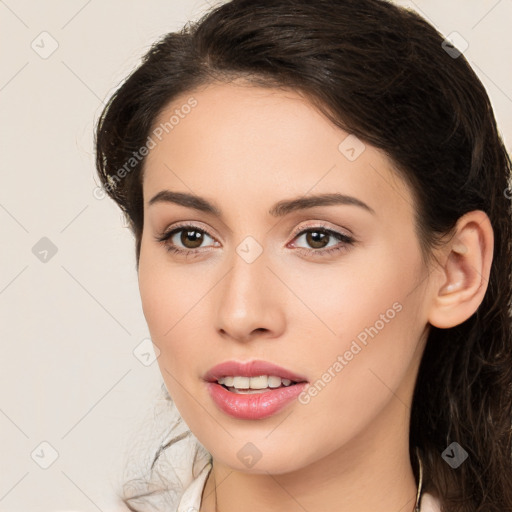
[(173, 301), (370, 323), (163, 309), (336, 302), (161, 296), (155, 303)]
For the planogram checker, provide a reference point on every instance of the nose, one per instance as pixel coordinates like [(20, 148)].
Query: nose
[(250, 301)]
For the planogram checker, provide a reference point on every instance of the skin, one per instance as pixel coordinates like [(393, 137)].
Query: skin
[(245, 148)]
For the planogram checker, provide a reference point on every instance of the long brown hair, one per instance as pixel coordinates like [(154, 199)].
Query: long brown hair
[(383, 73)]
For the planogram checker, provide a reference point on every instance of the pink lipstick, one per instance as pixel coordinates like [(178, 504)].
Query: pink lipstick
[(253, 390)]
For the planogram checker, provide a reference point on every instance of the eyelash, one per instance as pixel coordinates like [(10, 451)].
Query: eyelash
[(171, 248)]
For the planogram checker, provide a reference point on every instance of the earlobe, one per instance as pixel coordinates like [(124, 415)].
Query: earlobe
[(465, 271)]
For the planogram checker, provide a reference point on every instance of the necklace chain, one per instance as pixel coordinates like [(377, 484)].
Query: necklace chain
[(420, 482)]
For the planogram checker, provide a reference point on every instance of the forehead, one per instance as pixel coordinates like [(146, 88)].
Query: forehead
[(249, 143)]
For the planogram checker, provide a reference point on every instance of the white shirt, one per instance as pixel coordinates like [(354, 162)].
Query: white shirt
[(191, 498)]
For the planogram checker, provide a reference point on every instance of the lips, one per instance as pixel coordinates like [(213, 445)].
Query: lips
[(255, 406), (251, 369)]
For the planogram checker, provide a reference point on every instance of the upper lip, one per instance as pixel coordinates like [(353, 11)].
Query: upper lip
[(250, 369)]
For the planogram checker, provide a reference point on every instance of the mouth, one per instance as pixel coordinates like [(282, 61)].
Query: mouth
[(254, 385), (252, 376)]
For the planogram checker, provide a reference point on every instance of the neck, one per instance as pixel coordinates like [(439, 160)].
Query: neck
[(372, 472)]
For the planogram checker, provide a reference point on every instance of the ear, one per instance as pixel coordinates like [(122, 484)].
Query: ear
[(464, 272)]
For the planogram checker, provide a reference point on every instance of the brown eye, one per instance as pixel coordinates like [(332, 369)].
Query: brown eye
[(184, 240), (191, 238), (317, 239)]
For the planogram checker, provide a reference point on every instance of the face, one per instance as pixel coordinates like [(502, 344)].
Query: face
[(333, 292)]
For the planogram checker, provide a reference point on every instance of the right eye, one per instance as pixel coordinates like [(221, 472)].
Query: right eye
[(191, 237)]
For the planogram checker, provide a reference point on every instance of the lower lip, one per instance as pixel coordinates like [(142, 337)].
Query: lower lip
[(255, 406)]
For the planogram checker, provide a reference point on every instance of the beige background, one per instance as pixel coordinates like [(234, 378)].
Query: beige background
[(70, 378)]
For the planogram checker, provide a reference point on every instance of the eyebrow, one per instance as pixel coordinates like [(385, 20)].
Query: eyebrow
[(279, 209)]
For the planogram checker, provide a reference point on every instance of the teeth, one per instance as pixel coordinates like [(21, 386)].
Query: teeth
[(260, 382), (228, 381)]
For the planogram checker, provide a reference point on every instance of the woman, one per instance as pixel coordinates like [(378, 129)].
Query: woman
[(320, 203)]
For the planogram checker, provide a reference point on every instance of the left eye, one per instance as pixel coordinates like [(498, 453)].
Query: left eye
[(317, 237)]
